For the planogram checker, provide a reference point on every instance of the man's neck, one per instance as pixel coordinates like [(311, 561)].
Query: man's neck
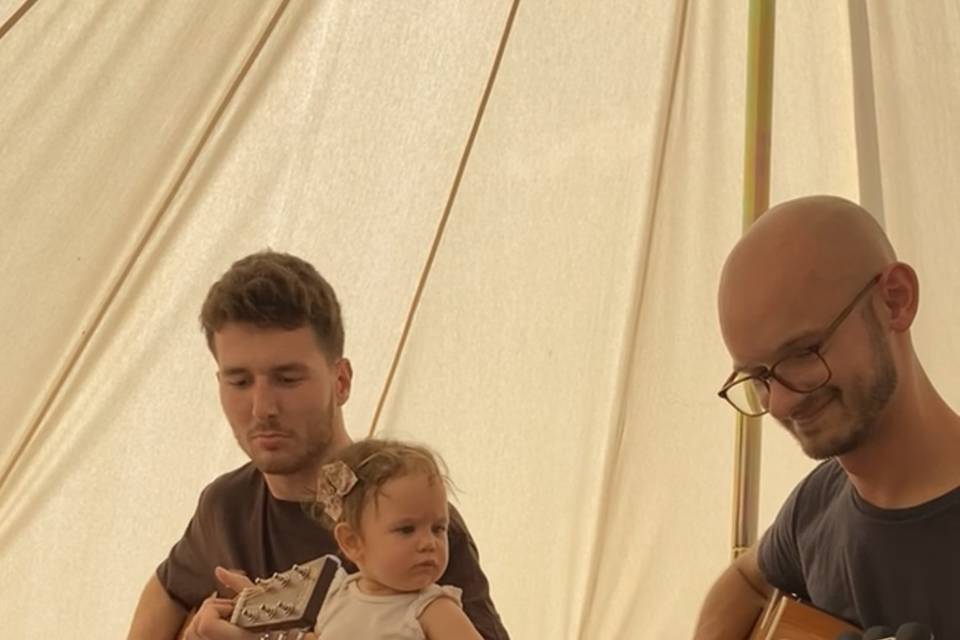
[(913, 454), (301, 486)]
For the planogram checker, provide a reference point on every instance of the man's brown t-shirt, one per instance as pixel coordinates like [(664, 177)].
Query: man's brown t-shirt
[(238, 524)]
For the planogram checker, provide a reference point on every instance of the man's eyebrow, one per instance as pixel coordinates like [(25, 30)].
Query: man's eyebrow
[(800, 341), (797, 342), (285, 367), (288, 367)]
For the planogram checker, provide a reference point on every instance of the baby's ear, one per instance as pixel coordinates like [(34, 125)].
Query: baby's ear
[(349, 541)]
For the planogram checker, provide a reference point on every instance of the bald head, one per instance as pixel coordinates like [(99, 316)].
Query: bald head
[(822, 234), (800, 255)]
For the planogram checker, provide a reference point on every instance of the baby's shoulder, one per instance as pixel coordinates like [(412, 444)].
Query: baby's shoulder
[(434, 593)]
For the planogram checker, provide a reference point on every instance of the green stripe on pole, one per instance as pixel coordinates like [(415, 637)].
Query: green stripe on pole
[(756, 200)]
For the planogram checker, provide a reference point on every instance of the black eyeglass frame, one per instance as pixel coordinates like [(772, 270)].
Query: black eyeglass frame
[(765, 375)]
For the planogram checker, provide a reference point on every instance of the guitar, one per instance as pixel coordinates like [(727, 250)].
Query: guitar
[(285, 602), (786, 618)]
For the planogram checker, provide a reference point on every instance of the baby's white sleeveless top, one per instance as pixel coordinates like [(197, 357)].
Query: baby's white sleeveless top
[(350, 614)]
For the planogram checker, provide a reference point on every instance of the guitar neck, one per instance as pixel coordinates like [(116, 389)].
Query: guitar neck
[(285, 605)]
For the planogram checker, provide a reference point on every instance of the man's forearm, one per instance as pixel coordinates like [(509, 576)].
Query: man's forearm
[(731, 608), (158, 616)]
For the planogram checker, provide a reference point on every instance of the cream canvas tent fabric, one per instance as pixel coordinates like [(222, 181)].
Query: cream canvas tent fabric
[(564, 357)]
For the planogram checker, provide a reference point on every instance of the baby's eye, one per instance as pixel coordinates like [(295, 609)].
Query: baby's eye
[(407, 530), (439, 528)]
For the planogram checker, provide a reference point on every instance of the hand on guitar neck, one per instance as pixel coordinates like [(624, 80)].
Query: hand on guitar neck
[(283, 607), (233, 582)]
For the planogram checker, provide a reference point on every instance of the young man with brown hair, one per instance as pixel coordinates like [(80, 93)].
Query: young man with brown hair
[(274, 328)]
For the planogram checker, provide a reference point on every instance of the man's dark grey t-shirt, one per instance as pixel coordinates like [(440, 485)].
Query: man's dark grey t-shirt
[(238, 524), (867, 565)]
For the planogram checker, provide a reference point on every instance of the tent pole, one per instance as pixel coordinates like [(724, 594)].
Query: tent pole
[(756, 199)]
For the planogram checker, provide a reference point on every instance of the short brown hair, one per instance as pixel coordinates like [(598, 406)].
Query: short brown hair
[(272, 289), (375, 461)]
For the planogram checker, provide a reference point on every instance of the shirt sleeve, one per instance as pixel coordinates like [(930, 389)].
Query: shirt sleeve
[(463, 571), (187, 572), (778, 553)]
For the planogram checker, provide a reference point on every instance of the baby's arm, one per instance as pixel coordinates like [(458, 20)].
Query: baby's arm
[(443, 619)]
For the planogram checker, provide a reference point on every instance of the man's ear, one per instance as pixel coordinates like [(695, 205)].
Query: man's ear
[(349, 541), (900, 293), (344, 373)]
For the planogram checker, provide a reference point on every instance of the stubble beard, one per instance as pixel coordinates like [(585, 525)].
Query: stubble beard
[(302, 453), (867, 402)]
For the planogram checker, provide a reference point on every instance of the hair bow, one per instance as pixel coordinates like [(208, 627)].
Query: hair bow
[(335, 482)]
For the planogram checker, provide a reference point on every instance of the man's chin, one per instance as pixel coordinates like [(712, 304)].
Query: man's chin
[(816, 451), (819, 446), (277, 465)]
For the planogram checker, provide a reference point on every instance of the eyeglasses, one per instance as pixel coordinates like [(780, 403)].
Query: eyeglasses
[(802, 372)]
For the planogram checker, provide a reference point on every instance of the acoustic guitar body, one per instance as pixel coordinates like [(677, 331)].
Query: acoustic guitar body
[(786, 618)]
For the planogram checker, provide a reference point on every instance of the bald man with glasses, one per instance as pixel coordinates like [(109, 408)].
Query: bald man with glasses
[(815, 311)]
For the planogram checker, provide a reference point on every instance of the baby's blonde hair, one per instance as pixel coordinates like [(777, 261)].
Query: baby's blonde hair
[(375, 462)]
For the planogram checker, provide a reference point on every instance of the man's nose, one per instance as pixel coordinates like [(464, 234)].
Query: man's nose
[(782, 400), (264, 400)]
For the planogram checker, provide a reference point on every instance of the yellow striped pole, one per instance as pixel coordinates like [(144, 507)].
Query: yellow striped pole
[(756, 200)]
